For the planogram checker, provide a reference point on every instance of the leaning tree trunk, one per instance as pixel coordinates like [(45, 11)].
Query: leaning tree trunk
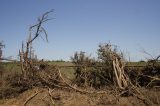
[(121, 78)]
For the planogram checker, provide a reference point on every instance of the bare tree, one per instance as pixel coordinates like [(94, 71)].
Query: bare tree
[(26, 53)]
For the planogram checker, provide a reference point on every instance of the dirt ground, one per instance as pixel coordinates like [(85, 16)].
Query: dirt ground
[(63, 97)]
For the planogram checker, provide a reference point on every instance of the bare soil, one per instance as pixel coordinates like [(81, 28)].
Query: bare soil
[(61, 97)]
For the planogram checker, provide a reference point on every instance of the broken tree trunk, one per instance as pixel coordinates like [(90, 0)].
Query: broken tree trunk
[(119, 74)]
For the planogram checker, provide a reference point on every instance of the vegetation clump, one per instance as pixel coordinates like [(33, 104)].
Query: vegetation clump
[(100, 72)]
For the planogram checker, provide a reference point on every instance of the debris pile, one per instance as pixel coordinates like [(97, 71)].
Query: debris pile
[(106, 71)]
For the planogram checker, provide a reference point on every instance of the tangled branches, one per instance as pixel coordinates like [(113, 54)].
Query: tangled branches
[(107, 70)]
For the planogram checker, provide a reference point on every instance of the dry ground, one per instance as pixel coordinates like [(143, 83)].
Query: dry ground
[(71, 98)]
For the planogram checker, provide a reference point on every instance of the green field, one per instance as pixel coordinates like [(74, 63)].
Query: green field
[(10, 68)]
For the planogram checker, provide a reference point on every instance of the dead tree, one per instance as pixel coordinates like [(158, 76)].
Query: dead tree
[(26, 51)]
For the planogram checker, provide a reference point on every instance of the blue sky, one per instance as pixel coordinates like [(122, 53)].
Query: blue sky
[(81, 25)]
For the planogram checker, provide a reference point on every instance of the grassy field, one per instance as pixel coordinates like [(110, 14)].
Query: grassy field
[(11, 68)]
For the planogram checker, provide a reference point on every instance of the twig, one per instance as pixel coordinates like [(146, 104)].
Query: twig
[(31, 97), (145, 100), (150, 82), (155, 78), (50, 94)]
